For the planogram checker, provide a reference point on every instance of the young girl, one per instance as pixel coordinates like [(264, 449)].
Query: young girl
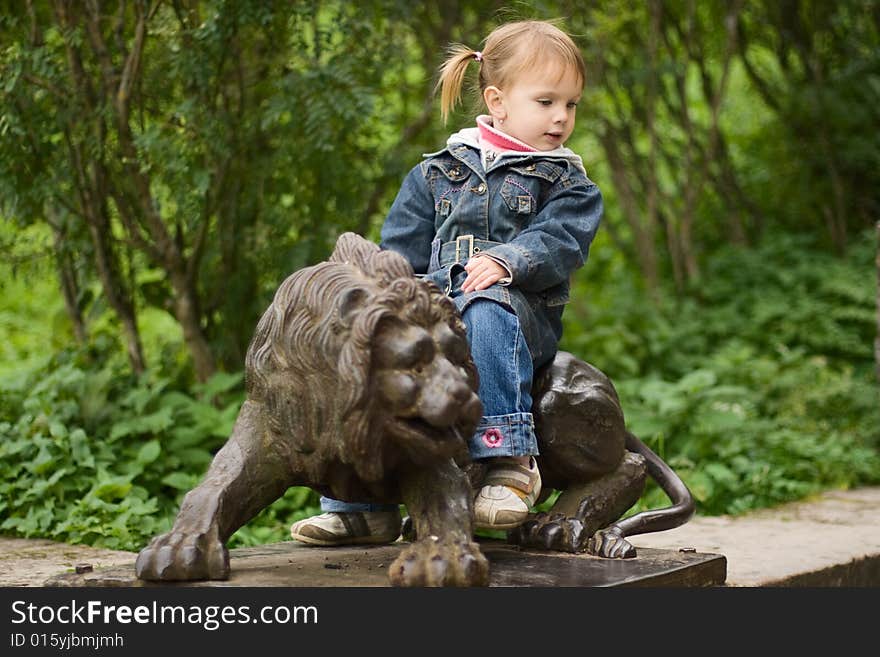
[(498, 219)]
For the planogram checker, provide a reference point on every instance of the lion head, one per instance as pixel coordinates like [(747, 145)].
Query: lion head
[(358, 361)]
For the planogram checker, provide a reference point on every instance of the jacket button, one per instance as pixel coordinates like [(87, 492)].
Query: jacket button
[(481, 188)]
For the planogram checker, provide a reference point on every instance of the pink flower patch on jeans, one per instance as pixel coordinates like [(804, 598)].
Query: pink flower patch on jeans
[(493, 437)]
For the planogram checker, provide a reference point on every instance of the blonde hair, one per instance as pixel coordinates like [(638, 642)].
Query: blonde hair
[(510, 49)]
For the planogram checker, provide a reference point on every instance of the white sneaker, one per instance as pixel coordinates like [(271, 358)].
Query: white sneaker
[(348, 528), (509, 491)]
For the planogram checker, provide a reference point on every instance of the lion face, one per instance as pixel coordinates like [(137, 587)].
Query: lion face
[(426, 386), (359, 362)]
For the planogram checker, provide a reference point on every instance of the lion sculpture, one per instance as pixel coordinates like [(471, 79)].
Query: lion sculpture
[(360, 385)]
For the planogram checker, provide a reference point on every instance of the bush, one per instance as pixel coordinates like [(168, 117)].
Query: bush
[(758, 387), (89, 454)]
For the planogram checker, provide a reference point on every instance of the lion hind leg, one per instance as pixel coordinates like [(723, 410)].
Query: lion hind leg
[(583, 509)]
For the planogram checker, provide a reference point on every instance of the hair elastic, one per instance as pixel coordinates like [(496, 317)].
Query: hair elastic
[(478, 55)]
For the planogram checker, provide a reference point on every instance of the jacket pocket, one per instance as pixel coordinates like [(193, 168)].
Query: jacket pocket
[(525, 185), (447, 179), (518, 197)]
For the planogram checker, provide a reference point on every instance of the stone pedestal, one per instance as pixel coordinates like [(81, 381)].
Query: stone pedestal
[(291, 564)]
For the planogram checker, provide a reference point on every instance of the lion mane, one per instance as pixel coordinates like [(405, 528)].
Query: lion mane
[(309, 362)]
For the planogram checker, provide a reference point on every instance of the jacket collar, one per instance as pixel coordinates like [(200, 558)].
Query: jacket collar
[(492, 139), (471, 137)]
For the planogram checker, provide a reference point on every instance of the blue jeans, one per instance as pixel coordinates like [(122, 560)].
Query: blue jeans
[(504, 363)]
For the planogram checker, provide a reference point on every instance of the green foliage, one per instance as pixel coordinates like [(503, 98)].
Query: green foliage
[(32, 318), (816, 65), (758, 389), (254, 133), (90, 455)]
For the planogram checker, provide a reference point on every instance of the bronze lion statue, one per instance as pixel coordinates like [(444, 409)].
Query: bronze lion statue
[(360, 385)]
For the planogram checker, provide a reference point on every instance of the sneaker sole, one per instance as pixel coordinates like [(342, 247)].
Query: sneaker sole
[(354, 540), (500, 526)]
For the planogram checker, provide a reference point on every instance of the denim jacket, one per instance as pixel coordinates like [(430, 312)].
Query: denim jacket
[(536, 213)]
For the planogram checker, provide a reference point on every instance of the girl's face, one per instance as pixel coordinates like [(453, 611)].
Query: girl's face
[(538, 108)]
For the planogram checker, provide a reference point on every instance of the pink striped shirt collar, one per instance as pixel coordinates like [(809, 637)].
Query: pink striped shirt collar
[(497, 140)]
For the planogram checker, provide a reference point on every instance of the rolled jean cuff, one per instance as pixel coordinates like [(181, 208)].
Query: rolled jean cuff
[(337, 506), (504, 435)]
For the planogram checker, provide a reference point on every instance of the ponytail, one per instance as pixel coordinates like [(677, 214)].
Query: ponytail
[(452, 77)]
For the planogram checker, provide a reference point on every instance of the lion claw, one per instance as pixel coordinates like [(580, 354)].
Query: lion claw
[(611, 544), (436, 562), (550, 532), (179, 556)]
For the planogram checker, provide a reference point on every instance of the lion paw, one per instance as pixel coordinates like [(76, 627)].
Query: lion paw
[(436, 562), (611, 544), (177, 556), (550, 532)]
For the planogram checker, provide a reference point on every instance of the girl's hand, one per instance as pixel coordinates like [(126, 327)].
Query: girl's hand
[(482, 272)]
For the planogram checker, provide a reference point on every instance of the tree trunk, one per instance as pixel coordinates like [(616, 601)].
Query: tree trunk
[(90, 187), (66, 278), (645, 250), (186, 309), (877, 338), (112, 283), (651, 111), (109, 97), (92, 182)]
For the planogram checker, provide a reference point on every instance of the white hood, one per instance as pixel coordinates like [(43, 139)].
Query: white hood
[(471, 137)]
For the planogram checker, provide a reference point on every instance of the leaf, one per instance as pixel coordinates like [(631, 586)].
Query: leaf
[(220, 382), (697, 380), (187, 437), (57, 429), (146, 424), (44, 461), (79, 449), (180, 481), (112, 489), (721, 473), (717, 422), (193, 458), (149, 452)]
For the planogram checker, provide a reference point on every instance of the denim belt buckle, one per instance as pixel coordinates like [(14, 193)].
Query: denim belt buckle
[(467, 239)]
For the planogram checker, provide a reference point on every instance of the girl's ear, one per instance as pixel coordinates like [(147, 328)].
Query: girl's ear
[(494, 99)]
